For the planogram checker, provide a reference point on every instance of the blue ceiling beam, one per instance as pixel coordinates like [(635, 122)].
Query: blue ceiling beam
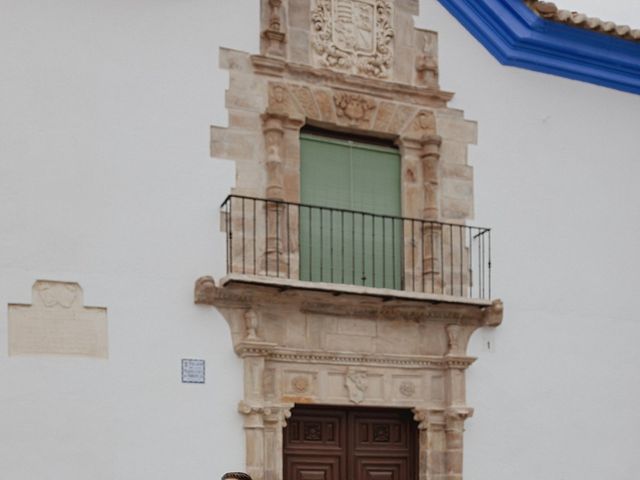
[(516, 36)]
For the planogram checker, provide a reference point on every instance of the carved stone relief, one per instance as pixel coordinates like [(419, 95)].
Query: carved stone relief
[(354, 35), (407, 389), (427, 58), (357, 384), (354, 109)]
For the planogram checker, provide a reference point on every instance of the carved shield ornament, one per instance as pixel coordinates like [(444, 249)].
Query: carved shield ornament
[(354, 25), (353, 35)]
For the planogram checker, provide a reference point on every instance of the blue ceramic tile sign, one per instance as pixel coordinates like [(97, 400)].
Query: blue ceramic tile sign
[(192, 370)]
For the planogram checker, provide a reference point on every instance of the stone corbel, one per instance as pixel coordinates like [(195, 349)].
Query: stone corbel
[(205, 290), (492, 316)]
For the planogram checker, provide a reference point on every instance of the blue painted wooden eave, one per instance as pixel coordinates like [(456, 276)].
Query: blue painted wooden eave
[(518, 37)]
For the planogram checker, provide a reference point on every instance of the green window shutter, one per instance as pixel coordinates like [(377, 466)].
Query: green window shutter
[(345, 247)]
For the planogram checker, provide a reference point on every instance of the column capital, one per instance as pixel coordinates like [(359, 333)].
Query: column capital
[(428, 417)]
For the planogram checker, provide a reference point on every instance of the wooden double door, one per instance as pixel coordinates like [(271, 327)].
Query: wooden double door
[(332, 443)]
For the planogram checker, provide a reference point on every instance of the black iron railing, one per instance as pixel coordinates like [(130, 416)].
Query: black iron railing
[(333, 245)]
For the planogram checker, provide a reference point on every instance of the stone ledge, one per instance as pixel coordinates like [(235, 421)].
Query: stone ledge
[(339, 289)]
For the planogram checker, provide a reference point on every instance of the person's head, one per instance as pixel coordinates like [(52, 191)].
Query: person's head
[(236, 476)]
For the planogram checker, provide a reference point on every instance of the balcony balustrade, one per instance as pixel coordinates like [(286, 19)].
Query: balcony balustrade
[(309, 243)]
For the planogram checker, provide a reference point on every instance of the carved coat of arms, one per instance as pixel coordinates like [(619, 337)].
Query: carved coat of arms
[(354, 35)]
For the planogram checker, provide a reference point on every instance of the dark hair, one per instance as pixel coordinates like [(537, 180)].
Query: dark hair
[(236, 475)]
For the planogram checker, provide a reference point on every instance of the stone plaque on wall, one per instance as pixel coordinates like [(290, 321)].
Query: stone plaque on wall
[(57, 323)]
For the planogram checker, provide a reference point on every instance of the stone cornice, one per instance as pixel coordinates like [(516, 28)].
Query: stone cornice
[(518, 37), (373, 360)]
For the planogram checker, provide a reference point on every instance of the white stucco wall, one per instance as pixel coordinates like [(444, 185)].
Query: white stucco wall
[(556, 178), (105, 179)]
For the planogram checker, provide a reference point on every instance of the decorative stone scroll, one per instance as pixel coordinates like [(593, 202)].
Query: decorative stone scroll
[(57, 323), (354, 35)]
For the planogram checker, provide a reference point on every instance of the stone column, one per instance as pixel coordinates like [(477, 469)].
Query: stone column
[(273, 129), (430, 157), (432, 233), (274, 221)]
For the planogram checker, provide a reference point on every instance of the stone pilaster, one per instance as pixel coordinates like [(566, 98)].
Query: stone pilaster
[(433, 443), (454, 428), (275, 419)]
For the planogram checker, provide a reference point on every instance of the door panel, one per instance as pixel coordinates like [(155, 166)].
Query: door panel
[(350, 444), (341, 246)]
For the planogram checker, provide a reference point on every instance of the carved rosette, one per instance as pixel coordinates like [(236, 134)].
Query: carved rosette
[(355, 36)]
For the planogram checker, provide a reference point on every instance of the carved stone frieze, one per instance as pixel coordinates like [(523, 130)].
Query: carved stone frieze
[(354, 36)]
